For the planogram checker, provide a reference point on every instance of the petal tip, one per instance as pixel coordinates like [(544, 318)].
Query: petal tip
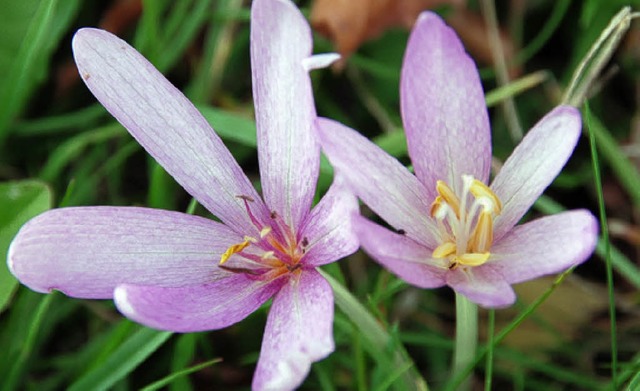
[(121, 299), (319, 61)]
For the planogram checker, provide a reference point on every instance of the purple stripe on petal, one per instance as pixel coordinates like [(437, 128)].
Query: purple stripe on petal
[(534, 164), (208, 306), (544, 246), (299, 332), (288, 152), (483, 286), (443, 107), (404, 257), (165, 123), (85, 252), (378, 179), (328, 227)]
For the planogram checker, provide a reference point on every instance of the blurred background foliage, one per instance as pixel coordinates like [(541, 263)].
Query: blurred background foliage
[(59, 147)]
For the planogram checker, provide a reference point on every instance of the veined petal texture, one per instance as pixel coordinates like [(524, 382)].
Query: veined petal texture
[(299, 332), (288, 152), (165, 123), (443, 108), (197, 307), (328, 227), (534, 164), (378, 179), (548, 245), (401, 255), (87, 251)]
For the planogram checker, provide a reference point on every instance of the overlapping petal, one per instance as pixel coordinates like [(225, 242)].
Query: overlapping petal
[(534, 164), (544, 246), (443, 108), (299, 332), (287, 149), (328, 227), (404, 257), (482, 285), (165, 123), (384, 184), (86, 251), (199, 307)]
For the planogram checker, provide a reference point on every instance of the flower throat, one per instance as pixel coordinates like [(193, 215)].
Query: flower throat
[(276, 250), (465, 222)]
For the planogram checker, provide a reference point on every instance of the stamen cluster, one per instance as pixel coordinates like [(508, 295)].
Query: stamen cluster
[(275, 251), (465, 222)]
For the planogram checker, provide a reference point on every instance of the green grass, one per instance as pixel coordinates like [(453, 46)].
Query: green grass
[(58, 147)]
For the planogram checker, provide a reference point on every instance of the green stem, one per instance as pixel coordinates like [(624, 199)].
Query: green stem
[(488, 375), (466, 337)]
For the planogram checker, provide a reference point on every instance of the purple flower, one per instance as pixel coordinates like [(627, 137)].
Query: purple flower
[(184, 273), (450, 227)]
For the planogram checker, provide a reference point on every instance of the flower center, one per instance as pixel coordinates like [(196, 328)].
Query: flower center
[(273, 252), (465, 222)]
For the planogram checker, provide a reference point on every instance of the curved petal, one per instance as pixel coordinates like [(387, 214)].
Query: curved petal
[(165, 123), (544, 246), (328, 227), (87, 251), (288, 152), (209, 306), (534, 164), (384, 184), (299, 332), (404, 257), (483, 286), (443, 107)]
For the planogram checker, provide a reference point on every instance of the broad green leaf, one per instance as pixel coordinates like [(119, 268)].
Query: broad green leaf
[(19, 202)]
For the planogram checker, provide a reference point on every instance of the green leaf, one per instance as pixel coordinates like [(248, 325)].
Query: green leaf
[(31, 31), (229, 126), (20, 201), (122, 361)]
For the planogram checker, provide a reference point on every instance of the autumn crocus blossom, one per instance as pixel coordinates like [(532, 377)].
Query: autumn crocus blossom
[(185, 273), (451, 228)]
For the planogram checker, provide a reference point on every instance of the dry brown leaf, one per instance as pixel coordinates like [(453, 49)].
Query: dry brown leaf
[(349, 23)]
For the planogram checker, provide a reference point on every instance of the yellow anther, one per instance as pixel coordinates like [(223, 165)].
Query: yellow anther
[(448, 196), (472, 259), (234, 249), (436, 205), (482, 236), (480, 190), (444, 250), (265, 231)]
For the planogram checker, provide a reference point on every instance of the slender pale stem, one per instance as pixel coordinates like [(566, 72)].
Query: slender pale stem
[(466, 338)]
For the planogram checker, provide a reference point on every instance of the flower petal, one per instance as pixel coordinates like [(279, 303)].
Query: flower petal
[(165, 123), (209, 306), (384, 184), (85, 252), (534, 164), (299, 332), (328, 226), (288, 152), (544, 246), (404, 257), (443, 107), (483, 286)]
